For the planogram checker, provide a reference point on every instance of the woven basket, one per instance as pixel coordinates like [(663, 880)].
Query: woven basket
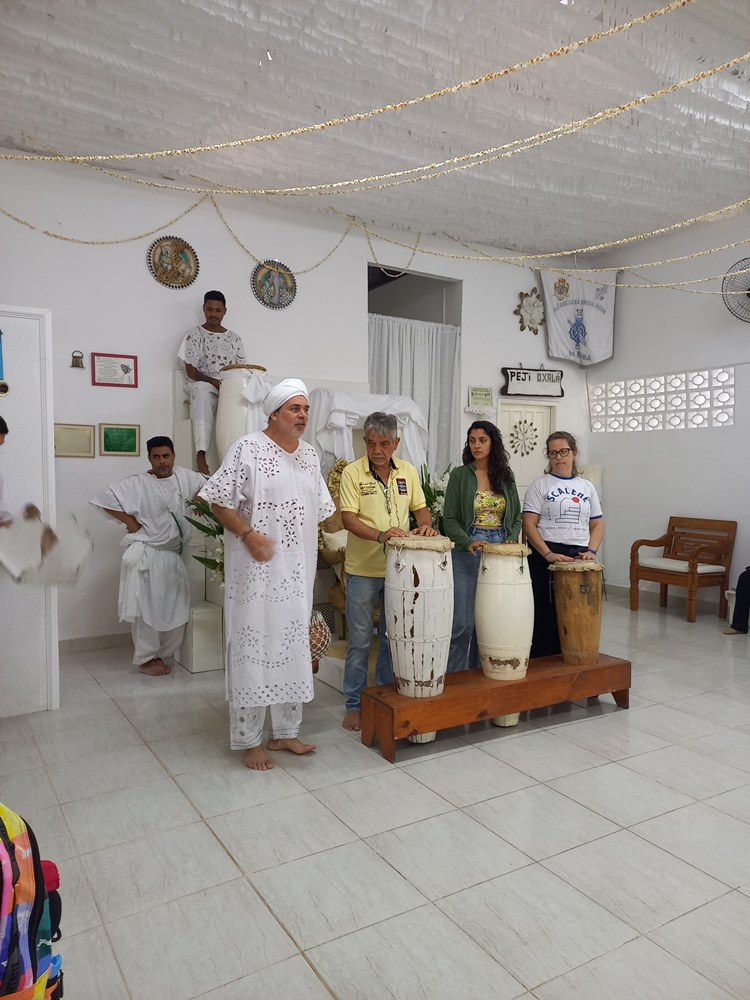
[(320, 635)]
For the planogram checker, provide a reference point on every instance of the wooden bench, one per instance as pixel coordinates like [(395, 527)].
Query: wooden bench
[(697, 553), (469, 696)]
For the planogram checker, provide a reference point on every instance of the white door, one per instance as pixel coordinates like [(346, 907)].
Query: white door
[(525, 427), (29, 661)]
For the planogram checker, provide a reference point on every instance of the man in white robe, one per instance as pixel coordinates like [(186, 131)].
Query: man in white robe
[(205, 350), (269, 495), (154, 588)]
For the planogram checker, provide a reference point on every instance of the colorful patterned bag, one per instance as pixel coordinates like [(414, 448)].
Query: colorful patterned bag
[(28, 970)]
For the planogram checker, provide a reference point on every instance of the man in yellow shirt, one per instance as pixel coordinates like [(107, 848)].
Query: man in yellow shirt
[(377, 494)]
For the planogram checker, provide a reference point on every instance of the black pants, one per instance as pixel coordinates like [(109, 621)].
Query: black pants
[(546, 639), (742, 603)]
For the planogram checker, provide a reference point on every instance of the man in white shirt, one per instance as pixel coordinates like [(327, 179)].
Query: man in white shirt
[(205, 350)]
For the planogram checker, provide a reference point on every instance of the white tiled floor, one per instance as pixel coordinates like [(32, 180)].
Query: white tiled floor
[(590, 853)]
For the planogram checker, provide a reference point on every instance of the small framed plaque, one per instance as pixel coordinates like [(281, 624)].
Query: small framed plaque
[(480, 397), (115, 370), (75, 440), (120, 439)]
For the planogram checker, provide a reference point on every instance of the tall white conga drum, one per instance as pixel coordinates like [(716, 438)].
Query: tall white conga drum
[(419, 614), (578, 602), (504, 615), (243, 389)]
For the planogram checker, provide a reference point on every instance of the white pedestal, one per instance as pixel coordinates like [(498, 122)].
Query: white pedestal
[(203, 646)]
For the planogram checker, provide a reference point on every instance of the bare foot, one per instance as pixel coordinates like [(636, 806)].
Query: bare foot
[(257, 759), (353, 720), (200, 461), (294, 746), (155, 668), (733, 631)]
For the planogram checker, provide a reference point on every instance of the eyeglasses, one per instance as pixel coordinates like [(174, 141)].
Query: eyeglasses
[(560, 453)]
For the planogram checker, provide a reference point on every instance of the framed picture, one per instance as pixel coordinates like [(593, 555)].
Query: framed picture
[(75, 440), (120, 439), (115, 369), (479, 396)]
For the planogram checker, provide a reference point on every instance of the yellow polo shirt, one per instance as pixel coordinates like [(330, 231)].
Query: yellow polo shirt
[(364, 495)]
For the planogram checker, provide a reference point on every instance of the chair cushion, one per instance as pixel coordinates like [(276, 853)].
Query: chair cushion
[(677, 565)]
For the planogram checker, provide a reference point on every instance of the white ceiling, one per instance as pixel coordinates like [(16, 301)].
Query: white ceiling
[(104, 76)]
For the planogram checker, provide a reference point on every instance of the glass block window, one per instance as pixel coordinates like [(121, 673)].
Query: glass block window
[(683, 401)]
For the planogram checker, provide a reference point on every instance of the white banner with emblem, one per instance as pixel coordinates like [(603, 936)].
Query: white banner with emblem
[(579, 316)]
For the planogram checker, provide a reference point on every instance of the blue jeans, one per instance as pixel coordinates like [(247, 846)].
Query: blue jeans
[(361, 594), (464, 651)]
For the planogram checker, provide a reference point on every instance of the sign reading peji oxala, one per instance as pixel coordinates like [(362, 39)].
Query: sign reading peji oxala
[(532, 382)]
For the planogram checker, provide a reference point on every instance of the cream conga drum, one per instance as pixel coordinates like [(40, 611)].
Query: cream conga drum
[(578, 602), (237, 414), (419, 614), (504, 615)]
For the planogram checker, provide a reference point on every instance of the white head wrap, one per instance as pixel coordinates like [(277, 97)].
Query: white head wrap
[(280, 393)]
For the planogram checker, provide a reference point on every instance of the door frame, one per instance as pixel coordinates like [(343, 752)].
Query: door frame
[(43, 323)]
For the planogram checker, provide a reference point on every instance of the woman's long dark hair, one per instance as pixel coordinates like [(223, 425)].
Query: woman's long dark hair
[(498, 465)]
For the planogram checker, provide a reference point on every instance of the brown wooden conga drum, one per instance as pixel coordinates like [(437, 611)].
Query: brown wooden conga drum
[(578, 601)]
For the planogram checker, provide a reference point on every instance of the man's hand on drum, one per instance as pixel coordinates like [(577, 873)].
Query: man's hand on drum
[(588, 554), (393, 533), (425, 529)]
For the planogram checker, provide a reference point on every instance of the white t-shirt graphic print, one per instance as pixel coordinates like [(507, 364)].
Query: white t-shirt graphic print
[(564, 506)]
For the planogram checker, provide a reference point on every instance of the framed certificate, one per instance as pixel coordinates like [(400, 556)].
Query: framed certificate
[(480, 397), (120, 439), (115, 370), (75, 440)]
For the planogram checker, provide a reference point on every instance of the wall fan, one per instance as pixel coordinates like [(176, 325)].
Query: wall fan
[(737, 280)]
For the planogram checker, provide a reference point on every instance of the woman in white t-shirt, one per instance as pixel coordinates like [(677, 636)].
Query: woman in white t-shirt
[(562, 521)]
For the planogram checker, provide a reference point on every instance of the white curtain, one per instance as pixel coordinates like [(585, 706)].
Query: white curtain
[(422, 360)]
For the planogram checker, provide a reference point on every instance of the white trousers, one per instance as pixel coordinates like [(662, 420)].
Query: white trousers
[(150, 643), (204, 398), (246, 724)]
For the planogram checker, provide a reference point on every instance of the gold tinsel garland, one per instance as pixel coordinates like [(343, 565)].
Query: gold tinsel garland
[(365, 115), (430, 171), (103, 243), (526, 263), (268, 264), (521, 260)]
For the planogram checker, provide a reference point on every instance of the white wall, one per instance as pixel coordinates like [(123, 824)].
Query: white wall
[(698, 473), (104, 299)]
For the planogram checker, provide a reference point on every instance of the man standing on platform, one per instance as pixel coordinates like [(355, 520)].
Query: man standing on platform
[(270, 497), (205, 350), (377, 494), (154, 588)]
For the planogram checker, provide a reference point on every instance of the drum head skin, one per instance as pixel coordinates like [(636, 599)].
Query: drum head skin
[(244, 367), (438, 543), (579, 566), (511, 549)]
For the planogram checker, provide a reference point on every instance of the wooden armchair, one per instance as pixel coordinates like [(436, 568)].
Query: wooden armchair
[(697, 553)]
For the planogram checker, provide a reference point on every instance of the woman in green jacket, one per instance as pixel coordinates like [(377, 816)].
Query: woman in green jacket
[(481, 506)]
